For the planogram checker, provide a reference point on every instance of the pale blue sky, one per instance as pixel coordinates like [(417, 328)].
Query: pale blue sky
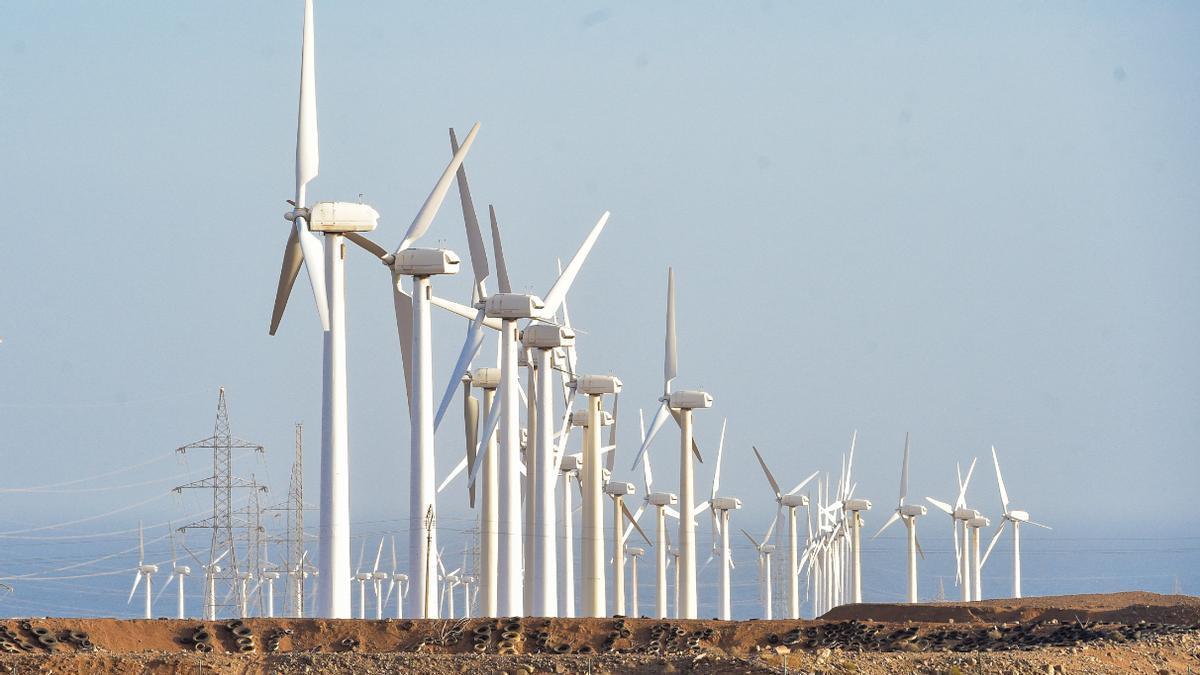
[(977, 224)]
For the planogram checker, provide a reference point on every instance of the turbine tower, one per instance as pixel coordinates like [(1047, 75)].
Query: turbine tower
[(618, 491), (336, 220), (143, 570), (662, 503), (909, 514), (959, 513), (634, 552), (764, 550), (569, 470), (790, 500), (721, 506), (1017, 518)]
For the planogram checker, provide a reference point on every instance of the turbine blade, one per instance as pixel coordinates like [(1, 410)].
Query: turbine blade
[(771, 529), (433, 202), (633, 521), (941, 505), (992, 544), (378, 554), (307, 163), (393, 554), (501, 268), (137, 579), (752, 540), (801, 484), (770, 476), (362, 547), (670, 511), (894, 518), (367, 245), (458, 468), (679, 422), (612, 434), (470, 350), (660, 418), (920, 551), (1030, 522), (293, 257), (1000, 480), (558, 292), (720, 448), (404, 315), (962, 492), (904, 472), (489, 428), (478, 252), (671, 358), (471, 421)]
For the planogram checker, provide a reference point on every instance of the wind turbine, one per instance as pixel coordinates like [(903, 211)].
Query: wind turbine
[(661, 501), (1017, 518), (378, 576), (680, 405), (721, 506), (909, 514), (507, 308), (211, 570), (399, 583), (976, 526), (336, 220), (634, 552), (764, 549), (362, 578), (959, 513), (790, 500), (618, 491), (269, 575), (298, 574), (146, 570), (592, 479), (177, 572), (569, 469)]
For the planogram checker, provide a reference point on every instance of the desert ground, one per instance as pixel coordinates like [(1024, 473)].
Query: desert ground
[(1117, 633)]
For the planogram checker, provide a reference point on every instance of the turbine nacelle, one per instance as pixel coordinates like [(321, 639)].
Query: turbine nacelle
[(513, 306), (426, 262), (912, 510), (337, 217), (596, 385), (766, 548), (571, 463), (662, 498), (486, 378), (857, 505), (547, 336), (979, 521), (689, 399), (182, 570), (635, 551), (725, 503), (363, 576), (272, 575), (148, 569), (793, 501), (965, 514), (579, 418), (618, 489), (1018, 516)]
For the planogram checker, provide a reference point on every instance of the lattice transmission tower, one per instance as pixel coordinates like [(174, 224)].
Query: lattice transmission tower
[(293, 538), (225, 519)]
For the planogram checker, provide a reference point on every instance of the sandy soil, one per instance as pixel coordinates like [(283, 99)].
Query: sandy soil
[(1120, 633)]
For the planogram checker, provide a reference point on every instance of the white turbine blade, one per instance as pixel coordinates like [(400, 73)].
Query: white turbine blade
[(378, 555), (137, 579), (1000, 481), (471, 426), (660, 418), (850, 462), (992, 544), (771, 529), (458, 468), (894, 518), (558, 292), (489, 428), (671, 358), (293, 257), (501, 269), (678, 417), (801, 484), (941, 505), (366, 244), (700, 508), (712, 554), (962, 491), (752, 540), (957, 553), (647, 474), (404, 314), (141, 545), (720, 448), (362, 547), (163, 588), (670, 511), (770, 476), (904, 473), (633, 521), (391, 587), (612, 434), (307, 163), (393, 554), (921, 551), (221, 557), (478, 251), (1030, 522), (433, 202), (470, 350)]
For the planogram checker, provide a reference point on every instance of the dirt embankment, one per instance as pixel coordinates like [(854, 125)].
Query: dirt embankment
[(1129, 632)]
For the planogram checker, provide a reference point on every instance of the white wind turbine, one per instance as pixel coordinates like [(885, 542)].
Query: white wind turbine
[(569, 470), (720, 507), (413, 326), (1017, 518), (909, 514), (680, 405), (851, 509), (618, 490), (791, 500), (398, 582), (662, 502), (959, 513), (764, 550), (177, 572), (146, 570), (336, 220), (634, 552), (211, 570), (505, 309), (362, 578), (378, 576), (297, 576)]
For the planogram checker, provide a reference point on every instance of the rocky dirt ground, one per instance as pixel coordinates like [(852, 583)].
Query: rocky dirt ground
[(1120, 633)]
